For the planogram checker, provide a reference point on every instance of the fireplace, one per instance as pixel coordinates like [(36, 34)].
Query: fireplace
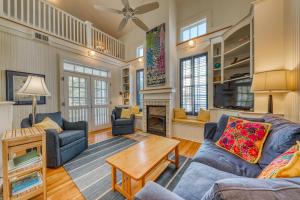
[(156, 120)]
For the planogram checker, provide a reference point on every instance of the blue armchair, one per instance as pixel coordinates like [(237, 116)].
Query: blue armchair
[(64, 146), (121, 126)]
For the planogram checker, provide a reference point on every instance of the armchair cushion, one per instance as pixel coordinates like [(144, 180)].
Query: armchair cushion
[(69, 136), (117, 112), (54, 116), (120, 122)]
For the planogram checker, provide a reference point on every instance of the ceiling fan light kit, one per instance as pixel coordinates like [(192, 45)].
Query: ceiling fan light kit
[(130, 13)]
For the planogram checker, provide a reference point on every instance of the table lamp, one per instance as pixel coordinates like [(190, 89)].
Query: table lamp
[(34, 86), (276, 81)]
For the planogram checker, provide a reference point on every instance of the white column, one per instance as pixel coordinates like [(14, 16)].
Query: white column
[(1, 8), (88, 29)]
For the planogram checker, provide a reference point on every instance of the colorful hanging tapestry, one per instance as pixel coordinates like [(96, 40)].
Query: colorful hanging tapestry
[(155, 61)]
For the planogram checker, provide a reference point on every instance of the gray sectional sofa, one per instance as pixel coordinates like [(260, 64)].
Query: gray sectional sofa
[(215, 174)]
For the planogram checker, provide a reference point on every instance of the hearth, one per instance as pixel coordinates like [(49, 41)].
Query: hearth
[(156, 120)]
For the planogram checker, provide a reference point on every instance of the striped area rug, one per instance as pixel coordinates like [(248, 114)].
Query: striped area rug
[(92, 175)]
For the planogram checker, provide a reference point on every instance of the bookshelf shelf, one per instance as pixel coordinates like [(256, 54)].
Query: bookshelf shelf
[(238, 64), (28, 170)]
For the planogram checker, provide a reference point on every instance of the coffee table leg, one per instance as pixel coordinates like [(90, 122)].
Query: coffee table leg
[(142, 182), (176, 157), (113, 177)]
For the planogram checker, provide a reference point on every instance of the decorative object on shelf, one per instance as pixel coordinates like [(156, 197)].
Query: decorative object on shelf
[(14, 81), (277, 81), (155, 57), (239, 75), (236, 59), (34, 86), (217, 65)]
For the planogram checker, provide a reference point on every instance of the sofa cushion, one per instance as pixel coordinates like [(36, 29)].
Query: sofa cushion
[(223, 122), (197, 179), (282, 136), (54, 116), (69, 136), (210, 154), (120, 122), (252, 188)]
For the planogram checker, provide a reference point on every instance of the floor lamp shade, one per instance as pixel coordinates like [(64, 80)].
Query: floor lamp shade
[(277, 81), (34, 86)]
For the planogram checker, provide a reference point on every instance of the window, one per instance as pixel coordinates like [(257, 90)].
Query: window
[(139, 87), (71, 67), (140, 51), (193, 30), (193, 83)]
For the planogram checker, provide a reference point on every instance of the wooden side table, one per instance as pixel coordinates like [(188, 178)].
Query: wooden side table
[(19, 140)]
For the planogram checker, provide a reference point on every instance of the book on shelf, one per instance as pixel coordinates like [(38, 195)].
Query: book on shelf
[(26, 183), (30, 158)]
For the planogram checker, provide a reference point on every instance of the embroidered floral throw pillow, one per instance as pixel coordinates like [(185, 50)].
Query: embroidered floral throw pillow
[(287, 165), (244, 138)]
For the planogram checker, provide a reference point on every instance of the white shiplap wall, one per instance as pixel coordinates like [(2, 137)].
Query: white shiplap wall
[(20, 54), (292, 55), (24, 54)]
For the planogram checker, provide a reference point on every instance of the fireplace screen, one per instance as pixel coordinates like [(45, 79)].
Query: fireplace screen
[(156, 120)]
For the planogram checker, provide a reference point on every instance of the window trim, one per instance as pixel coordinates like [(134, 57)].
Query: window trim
[(137, 51), (189, 26), (193, 113), (136, 81)]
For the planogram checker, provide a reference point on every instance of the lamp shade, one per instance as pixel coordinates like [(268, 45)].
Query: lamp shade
[(34, 86), (273, 81)]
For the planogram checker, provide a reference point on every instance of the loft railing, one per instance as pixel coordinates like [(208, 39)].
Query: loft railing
[(43, 16)]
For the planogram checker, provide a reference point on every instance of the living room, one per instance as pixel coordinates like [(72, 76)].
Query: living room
[(150, 99)]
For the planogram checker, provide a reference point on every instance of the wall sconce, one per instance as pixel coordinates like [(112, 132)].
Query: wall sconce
[(91, 53), (140, 60), (192, 43)]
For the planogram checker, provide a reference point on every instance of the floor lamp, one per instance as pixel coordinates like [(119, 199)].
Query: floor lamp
[(270, 82), (34, 86)]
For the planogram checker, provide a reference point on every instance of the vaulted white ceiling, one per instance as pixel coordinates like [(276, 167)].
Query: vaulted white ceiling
[(105, 21)]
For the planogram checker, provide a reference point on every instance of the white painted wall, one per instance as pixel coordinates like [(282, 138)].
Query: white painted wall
[(219, 13), (18, 52)]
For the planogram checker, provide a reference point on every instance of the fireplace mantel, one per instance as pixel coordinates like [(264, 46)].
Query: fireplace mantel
[(158, 90)]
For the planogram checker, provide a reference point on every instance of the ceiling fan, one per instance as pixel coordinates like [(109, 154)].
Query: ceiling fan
[(130, 13)]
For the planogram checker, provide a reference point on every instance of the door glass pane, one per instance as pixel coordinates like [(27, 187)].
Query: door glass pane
[(101, 92)]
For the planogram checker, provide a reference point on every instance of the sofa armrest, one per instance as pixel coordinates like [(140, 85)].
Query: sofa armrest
[(113, 118), (80, 125), (52, 147), (25, 123), (209, 130), (254, 188), (153, 191)]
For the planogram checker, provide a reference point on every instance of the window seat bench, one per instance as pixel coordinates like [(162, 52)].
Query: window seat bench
[(189, 129)]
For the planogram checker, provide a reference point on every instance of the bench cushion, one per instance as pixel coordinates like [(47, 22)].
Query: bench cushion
[(194, 122)]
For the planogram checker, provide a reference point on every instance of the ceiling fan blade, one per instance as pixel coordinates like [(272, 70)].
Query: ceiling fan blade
[(103, 8), (125, 3), (123, 23), (140, 24), (146, 8)]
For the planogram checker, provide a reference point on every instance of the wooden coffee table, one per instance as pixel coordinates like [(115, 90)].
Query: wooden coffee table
[(142, 162)]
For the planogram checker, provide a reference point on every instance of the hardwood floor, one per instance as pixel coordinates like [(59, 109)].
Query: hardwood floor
[(60, 185)]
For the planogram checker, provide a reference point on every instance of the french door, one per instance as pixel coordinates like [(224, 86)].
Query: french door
[(87, 98)]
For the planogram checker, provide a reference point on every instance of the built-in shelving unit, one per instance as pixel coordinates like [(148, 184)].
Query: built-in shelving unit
[(232, 65), (126, 85)]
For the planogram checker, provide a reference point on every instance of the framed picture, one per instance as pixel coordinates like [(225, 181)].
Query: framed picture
[(14, 81)]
